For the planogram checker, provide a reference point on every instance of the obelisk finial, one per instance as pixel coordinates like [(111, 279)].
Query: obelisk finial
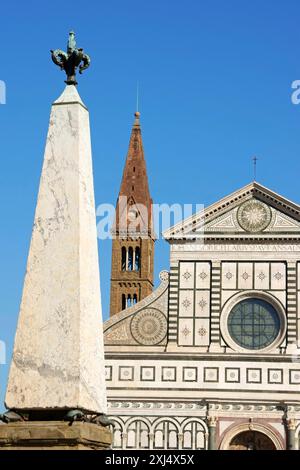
[(72, 59)]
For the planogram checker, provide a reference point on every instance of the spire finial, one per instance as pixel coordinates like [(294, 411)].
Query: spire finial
[(254, 159), (137, 115), (69, 61)]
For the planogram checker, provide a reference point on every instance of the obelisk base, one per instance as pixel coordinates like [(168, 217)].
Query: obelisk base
[(54, 435)]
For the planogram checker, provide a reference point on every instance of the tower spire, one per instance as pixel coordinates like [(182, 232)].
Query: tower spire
[(135, 185)]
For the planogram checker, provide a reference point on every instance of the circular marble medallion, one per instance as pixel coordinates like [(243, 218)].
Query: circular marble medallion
[(149, 327), (254, 216), (164, 276)]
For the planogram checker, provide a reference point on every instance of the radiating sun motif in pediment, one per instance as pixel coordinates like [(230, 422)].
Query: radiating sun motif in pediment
[(254, 216)]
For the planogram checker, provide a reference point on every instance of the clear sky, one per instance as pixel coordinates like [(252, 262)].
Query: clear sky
[(215, 89)]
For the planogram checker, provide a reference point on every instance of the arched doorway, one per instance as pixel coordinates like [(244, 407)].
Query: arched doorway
[(246, 436), (251, 440)]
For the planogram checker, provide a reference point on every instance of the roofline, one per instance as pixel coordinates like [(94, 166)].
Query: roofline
[(169, 233)]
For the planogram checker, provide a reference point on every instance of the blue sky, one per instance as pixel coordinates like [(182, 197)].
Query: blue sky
[(215, 89)]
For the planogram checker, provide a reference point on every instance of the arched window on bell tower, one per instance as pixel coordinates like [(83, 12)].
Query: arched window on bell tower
[(137, 263), (130, 259), (129, 300), (123, 258), (123, 301), (134, 299)]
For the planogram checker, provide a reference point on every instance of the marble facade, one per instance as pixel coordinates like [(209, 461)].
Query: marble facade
[(176, 377)]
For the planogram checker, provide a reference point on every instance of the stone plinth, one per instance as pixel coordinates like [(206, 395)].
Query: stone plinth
[(54, 435)]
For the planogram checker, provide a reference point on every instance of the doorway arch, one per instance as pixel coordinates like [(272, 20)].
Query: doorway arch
[(251, 440), (251, 437)]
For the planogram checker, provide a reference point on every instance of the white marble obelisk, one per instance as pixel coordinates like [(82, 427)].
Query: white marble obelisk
[(58, 359)]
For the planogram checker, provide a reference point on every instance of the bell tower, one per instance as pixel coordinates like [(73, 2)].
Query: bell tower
[(133, 237)]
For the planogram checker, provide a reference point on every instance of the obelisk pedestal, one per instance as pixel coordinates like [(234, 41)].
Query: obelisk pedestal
[(58, 358), (54, 435)]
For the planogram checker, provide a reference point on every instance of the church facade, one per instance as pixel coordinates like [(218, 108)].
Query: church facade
[(211, 358)]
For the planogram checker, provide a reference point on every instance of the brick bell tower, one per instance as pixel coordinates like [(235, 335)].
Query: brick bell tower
[(133, 237)]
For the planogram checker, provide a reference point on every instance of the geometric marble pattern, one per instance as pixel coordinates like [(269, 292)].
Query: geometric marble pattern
[(254, 376), (294, 377), (232, 375), (126, 373), (254, 275), (264, 376), (147, 373), (275, 376), (194, 303), (168, 374), (189, 374), (211, 374)]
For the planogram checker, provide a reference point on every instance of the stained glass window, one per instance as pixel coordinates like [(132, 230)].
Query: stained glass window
[(253, 324)]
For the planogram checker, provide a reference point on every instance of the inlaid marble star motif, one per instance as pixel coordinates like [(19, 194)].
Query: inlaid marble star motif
[(278, 276), (185, 331), (186, 275), (261, 276), (186, 303), (202, 331), (203, 275), (202, 303)]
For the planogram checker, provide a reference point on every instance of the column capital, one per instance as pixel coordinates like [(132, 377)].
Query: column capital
[(291, 424), (212, 421)]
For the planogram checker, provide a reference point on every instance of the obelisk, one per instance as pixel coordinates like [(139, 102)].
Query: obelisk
[(57, 375)]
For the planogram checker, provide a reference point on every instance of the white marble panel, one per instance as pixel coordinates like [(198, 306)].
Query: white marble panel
[(185, 332), (186, 303), (203, 275), (229, 275), (278, 276), (245, 275), (202, 305), (202, 332), (186, 275), (262, 276)]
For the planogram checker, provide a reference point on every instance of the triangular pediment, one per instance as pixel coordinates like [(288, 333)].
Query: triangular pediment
[(250, 212)]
